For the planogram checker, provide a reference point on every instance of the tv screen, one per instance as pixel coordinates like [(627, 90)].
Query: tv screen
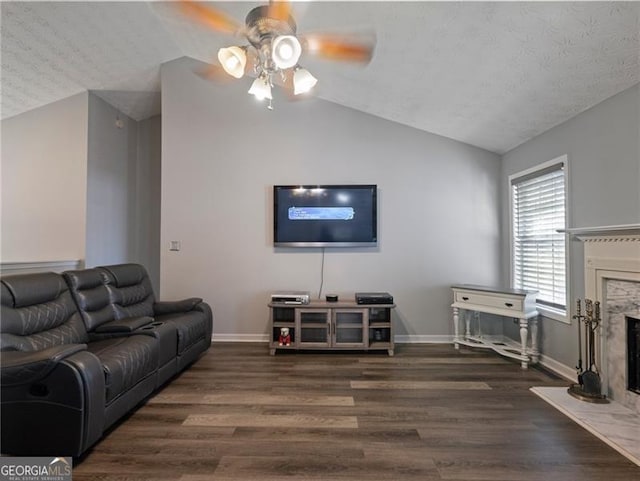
[(325, 215)]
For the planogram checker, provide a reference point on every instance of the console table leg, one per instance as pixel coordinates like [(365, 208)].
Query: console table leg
[(467, 324), (535, 353), (523, 341), (456, 328)]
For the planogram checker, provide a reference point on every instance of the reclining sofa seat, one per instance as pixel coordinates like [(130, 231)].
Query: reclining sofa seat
[(131, 295), (93, 301), (60, 391)]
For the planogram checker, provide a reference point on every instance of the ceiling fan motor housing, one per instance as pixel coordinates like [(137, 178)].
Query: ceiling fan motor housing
[(261, 27)]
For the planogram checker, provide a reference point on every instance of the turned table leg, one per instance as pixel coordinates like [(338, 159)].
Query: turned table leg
[(523, 341), (535, 353), (456, 328)]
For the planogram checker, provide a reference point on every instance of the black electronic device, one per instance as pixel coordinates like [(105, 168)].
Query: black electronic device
[(325, 216), (332, 298), (374, 298)]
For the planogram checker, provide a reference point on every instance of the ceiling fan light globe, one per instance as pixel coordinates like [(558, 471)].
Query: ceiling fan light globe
[(285, 51), (233, 60), (303, 81), (261, 89)]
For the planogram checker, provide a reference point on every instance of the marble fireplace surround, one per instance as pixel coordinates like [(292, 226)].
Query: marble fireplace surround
[(612, 277)]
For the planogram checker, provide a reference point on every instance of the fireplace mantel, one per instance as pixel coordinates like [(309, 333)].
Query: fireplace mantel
[(611, 260), (625, 232)]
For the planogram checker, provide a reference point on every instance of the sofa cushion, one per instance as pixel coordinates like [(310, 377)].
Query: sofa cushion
[(30, 289), (91, 296), (130, 290), (125, 361), (38, 313)]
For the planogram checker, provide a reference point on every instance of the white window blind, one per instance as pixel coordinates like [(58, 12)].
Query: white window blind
[(539, 263)]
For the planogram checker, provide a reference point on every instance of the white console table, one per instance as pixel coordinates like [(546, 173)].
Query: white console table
[(514, 303)]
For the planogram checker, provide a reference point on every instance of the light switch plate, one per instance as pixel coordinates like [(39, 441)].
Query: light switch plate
[(174, 245)]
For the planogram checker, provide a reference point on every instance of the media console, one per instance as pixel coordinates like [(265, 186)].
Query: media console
[(331, 326)]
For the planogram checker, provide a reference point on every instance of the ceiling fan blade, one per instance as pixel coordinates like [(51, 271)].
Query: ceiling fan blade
[(209, 16), (348, 48), (279, 9)]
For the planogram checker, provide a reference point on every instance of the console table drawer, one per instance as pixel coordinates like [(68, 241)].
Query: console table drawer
[(500, 302)]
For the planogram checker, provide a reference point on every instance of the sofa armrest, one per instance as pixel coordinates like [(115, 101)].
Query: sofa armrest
[(123, 326), (26, 367), (171, 307), (62, 412)]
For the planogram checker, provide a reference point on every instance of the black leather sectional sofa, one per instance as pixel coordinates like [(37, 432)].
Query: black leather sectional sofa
[(81, 349)]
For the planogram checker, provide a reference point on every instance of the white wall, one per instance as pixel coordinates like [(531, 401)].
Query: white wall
[(44, 172), (222, 153), (603, 149)]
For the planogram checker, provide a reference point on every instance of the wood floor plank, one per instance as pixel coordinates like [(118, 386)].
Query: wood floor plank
[(435, 385), (318, 468), (429, 413), (254, 398), (272, 420)]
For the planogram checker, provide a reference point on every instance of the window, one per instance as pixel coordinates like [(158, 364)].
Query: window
[(538, 210)]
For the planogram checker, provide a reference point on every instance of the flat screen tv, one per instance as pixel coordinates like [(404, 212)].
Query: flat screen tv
[(325, 216)]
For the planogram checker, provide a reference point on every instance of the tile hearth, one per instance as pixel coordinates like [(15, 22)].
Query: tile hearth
[(613, 423)]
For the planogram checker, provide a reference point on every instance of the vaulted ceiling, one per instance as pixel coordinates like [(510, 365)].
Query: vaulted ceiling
[(491, 74)]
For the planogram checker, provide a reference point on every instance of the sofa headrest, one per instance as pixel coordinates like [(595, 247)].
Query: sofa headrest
[(29, 289), (124, 275), (83, 279)]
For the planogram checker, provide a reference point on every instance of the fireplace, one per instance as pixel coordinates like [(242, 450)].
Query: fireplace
[(633, 354), (612, 277)]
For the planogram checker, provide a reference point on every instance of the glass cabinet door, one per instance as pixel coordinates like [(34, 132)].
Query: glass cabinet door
[(314, 327), (380, 333), (349, 327)]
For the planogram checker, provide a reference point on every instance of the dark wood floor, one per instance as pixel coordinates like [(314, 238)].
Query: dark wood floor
[(428, 413)]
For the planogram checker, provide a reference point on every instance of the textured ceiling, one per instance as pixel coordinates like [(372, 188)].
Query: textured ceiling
[(491, 74)]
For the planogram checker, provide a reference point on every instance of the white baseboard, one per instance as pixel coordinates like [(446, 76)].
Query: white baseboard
[(569, 373), (399, 339), (240, 338), (422, 338)]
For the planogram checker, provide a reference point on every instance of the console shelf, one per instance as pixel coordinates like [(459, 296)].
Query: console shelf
[(332, 326)]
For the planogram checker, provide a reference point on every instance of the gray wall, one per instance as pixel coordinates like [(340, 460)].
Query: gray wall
[(221, 154), (148, 182), (123, 182), (43, 193), (111, 182), (602, 145)]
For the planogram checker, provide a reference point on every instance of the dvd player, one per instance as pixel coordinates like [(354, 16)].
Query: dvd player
[(290, 297), (374, 298)]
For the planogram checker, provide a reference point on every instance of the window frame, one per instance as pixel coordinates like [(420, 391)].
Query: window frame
[(561, 315)]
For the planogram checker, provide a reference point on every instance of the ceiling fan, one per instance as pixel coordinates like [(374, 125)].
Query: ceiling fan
[(274, 47)]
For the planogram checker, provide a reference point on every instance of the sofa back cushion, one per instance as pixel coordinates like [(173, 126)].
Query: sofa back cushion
[(129, 289), (38, 312), (91, 296)]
